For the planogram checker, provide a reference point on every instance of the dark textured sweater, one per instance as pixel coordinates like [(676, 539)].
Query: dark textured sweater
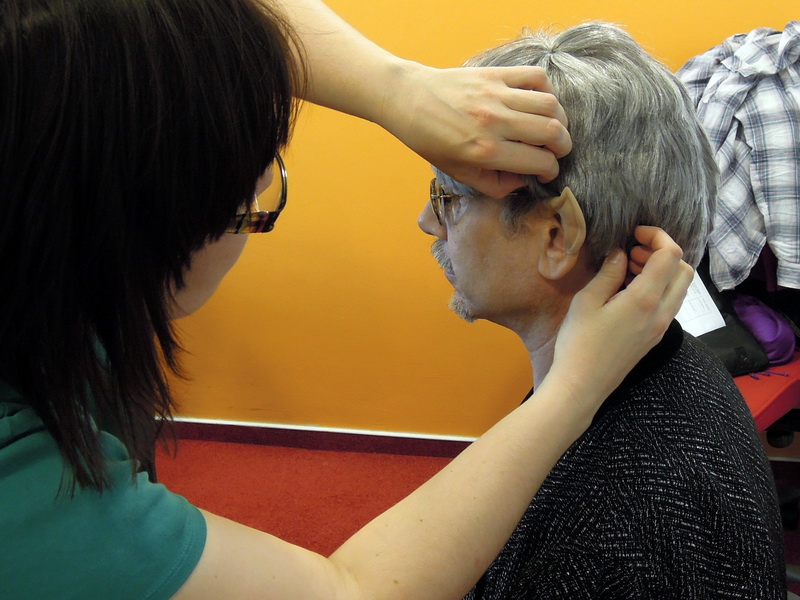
[(668, 494)]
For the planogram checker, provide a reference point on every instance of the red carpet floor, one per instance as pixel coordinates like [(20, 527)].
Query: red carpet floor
[(313, 498), (318, 498)]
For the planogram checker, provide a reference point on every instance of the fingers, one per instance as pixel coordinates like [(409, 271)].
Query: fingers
[(524, 78), (657, 239), (550, 118), (676, 290), (481, 125), (535, 102), (662, 277), (535, 149), (531, 79), (534, 119), (609, 330), (506, 169), (496, 184), (531, 129), (527, 129), (652, 239), (607, 281), (536, 130), (531, 94), (659, 255), (637, 258)]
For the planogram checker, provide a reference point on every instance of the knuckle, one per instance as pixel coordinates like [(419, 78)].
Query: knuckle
[(538, 77), (660, 325), (484, 150), (649, 304), (483, 115), (548, 168), (549, 104), (554, 130)]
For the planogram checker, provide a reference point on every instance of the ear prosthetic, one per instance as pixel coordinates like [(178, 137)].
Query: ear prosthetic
[(560, 253), (572, 222)]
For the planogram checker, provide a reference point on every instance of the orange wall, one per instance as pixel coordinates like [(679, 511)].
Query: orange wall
[(338, 317)]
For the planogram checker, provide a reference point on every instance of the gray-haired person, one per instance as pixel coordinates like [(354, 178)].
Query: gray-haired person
[(669, 493)]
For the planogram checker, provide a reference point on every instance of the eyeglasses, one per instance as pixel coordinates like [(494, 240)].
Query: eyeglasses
[(262, 221), (440, 199)]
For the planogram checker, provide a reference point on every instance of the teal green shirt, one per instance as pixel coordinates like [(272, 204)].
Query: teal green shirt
[(136, 540)]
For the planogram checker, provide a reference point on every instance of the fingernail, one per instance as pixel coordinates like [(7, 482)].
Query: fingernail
[(616, 257)]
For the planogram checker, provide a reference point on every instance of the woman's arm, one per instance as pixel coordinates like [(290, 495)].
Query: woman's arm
[(438, 541), (474, 124)]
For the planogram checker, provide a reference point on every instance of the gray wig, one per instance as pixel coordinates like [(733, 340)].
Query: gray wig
[(639, 155)]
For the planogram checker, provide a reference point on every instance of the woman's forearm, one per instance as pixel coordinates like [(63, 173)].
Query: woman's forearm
[(438, 541), (347, 72)]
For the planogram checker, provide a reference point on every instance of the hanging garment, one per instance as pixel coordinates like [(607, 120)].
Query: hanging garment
[(747, 95)]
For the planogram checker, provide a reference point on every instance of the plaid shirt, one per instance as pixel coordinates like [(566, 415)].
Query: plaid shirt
[(747, 94)]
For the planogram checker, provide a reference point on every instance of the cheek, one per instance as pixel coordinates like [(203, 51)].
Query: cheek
[(496, 268), (472, 251), (207, 269), (214, 261), (231, 248), (472, 269), (264, 181)]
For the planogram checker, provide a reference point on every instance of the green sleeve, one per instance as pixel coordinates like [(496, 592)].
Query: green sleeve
[(136, 540)]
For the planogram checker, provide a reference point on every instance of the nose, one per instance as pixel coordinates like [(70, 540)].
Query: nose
[(428, 222)]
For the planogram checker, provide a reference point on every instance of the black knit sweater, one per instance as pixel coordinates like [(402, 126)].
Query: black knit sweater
[(668, 494)]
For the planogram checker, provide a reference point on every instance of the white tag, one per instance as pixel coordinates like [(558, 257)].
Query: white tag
[(699, 314)]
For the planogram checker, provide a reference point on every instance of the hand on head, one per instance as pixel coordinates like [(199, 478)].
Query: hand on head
[(482, 126), (607, 331)]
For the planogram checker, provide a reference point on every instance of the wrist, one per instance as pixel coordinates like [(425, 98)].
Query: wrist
[(396, 82), (575, 401)]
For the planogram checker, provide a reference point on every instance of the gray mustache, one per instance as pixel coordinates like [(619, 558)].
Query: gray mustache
[(437, 250)]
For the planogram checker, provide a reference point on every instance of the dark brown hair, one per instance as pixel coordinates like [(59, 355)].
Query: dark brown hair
[(131, 131)]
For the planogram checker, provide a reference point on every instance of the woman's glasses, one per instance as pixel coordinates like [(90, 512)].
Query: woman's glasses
[(262, 221)]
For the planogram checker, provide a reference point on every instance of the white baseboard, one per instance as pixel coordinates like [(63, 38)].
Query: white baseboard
[(317, 429)]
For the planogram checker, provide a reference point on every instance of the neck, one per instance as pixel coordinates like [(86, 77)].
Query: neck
[(539, 339), (541, 361), (539, 333)]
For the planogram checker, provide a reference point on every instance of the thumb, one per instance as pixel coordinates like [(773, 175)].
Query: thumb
[(608, 280)]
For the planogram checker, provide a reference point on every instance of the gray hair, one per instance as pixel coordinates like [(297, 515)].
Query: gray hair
[(639, 155)]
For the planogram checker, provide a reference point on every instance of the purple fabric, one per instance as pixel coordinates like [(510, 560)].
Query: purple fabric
[(770, 329)]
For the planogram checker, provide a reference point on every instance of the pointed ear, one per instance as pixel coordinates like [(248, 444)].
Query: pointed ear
[(566, 234)]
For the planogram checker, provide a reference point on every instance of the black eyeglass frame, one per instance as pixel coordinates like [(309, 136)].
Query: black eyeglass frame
[(262, 221)]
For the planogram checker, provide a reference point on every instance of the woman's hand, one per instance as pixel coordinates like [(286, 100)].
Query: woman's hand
[(482, 126), (479, 125), (607, 331)]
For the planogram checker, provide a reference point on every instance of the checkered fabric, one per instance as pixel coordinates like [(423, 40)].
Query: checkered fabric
[(747, 95)]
